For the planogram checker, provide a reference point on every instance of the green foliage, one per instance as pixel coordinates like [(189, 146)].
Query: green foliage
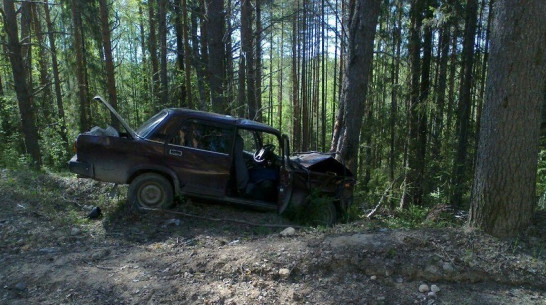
[(541, 180), (54, 151), (412, 217), (313, 212)]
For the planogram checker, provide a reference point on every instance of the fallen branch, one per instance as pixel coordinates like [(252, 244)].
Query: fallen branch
[(222, 219), (372, 213)]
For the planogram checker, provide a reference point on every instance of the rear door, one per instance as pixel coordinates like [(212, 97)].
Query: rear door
[(200, 153)]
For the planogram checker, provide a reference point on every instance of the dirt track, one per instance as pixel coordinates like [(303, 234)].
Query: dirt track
[(50, 254)]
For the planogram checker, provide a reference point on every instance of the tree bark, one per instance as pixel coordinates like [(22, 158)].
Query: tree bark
[(247, 48), (81, 70), (355, 81), (152, 48), (108, 58), (45, 85), (503, 193), (216, 26), (465, 100), (164, 81), (413, 192), (56, 77), (22, 87), (187, 55), (258, 57), (179, 27)]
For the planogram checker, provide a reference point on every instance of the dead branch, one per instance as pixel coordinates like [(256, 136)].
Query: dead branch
[(372, 213)]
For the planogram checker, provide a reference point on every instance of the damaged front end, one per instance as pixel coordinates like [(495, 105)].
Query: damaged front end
[(321, 173)]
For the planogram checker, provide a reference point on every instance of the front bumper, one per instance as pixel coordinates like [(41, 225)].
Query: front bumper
[(82, 169)]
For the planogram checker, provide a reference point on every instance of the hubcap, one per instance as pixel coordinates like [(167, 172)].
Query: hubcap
[(151, 195)]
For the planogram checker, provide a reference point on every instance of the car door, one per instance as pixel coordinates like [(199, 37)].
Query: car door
[(199, 152), (286, 178)]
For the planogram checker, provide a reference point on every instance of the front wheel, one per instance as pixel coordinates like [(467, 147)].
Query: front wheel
[(152, 191), (323, 213)]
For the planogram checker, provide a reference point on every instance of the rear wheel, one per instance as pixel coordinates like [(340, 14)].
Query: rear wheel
[(323, 212), (152, 191)]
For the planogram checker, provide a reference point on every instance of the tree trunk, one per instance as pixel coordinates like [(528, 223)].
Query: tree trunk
[(198, 59), (395, 73), (164, 81), (179, 27), (413, 192), (465, 100), (152, 48), (56, 77), (258, 57), (45, 85), (187, 55), (108, 58), (247, 48), (296, 117), (81, 70), (503, 193), (22, 88), (355, 81), (217, 63)]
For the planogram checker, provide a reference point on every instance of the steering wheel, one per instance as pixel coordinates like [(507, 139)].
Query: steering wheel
[(261, 154)]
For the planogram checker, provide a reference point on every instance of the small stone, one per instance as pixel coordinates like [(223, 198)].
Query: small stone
[(20, 286), (432, 269), (174, 221), (399, 280), (448, 267), (373, 277), (434, 288), (380, 299), (431, 295), (424, 288), (288, 232), (75, 231), (48, 250), (284, 272)]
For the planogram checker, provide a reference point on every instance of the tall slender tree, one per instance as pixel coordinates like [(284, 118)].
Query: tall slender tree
[(163, 74), (465, 99), (108, 58), (81, 69), (22, 87), (216, 25)]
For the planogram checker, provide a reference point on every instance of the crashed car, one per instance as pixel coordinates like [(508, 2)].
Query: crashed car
[(212, 157)]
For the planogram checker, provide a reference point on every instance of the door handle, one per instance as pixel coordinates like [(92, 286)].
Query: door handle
[(175, 152)]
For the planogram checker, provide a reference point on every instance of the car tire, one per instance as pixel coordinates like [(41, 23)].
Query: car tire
[(324, 214), (150, 191)]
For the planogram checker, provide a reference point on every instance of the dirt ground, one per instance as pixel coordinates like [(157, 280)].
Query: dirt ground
[(51, 254)]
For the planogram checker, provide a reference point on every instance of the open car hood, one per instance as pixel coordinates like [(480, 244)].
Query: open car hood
[(116, 114), (321, 162)]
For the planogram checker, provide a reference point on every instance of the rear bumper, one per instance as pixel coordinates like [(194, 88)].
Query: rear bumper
[(83, 169)]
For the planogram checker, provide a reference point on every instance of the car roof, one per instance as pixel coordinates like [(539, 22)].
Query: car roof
[(222, 118)]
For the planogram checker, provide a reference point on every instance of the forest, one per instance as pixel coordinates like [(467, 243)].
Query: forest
[(431, 102)]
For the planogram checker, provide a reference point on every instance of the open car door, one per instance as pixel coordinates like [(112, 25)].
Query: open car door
[(286, 177)]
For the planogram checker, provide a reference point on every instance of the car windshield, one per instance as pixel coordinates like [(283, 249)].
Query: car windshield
[(146, 128)]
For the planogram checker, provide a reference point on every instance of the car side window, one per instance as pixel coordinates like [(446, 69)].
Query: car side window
[(200, 135)]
